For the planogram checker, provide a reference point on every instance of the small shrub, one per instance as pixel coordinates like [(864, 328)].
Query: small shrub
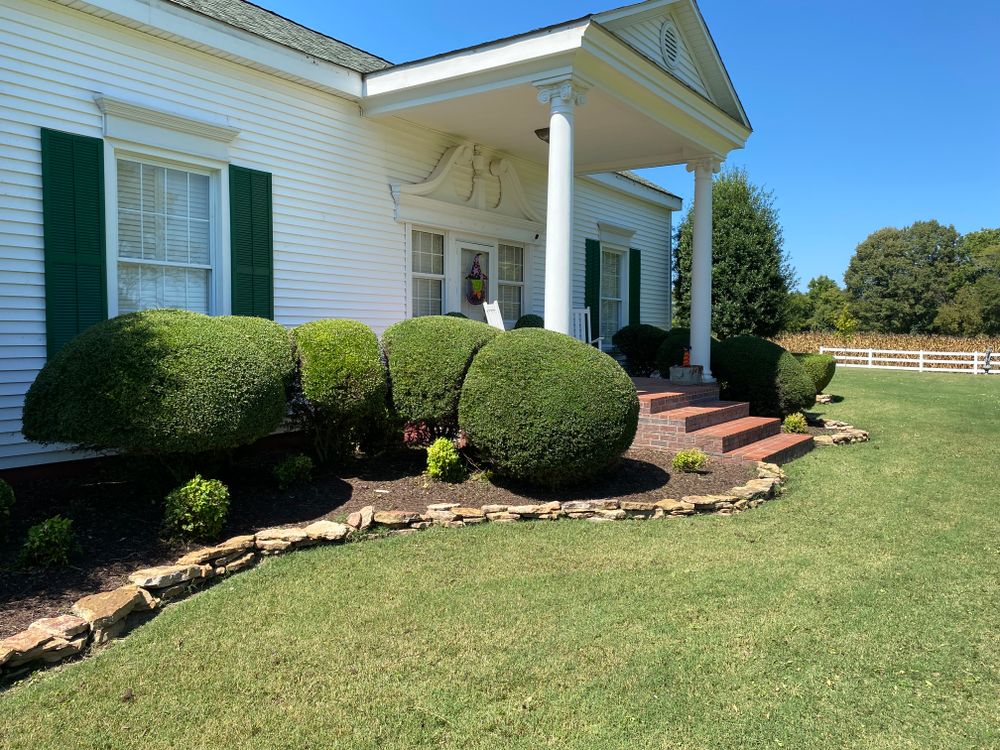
[(293, 470), (443, 461), (671, 351), (417, 434), (794, 423), (428, 359), (689, 461), (162, 382), (761, 372), (820, 367), (342, 385), (6, 509), (197, 510), (640, 345), (530, 321), (542, 407), (457, 315), (51, 543)]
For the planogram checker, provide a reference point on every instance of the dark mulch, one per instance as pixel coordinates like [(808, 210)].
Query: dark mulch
[(116, 507)]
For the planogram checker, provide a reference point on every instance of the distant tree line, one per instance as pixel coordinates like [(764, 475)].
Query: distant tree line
[(924, 278)]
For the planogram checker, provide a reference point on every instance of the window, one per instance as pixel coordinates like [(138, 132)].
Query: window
[(611, 293), (428, 273), (165, 229), (510, 284)]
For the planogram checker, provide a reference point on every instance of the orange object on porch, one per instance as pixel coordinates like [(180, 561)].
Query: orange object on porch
[(687, 358)]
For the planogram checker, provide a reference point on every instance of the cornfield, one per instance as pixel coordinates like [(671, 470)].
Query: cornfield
[(813, 340)]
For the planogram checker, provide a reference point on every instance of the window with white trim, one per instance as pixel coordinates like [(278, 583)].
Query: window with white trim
[(510, 281), (165, 230), (427, 255), (611, 292)]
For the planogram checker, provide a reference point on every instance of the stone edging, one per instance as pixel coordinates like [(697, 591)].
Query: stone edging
[(98, 618), (842, 432)]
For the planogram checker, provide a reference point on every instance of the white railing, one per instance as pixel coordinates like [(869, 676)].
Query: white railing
[(975, 363)]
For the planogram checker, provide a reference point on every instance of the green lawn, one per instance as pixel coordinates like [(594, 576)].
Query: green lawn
[(862, 610)]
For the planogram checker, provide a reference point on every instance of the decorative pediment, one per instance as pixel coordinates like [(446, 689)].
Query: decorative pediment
[(472, 191)]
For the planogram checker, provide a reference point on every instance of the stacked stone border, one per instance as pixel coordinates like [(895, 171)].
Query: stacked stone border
[(98, 618), (841, 433)]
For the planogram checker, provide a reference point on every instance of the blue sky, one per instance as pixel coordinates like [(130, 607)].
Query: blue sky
[(866, 113)]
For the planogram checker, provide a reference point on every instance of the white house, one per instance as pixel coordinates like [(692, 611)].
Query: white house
[(212, 155)]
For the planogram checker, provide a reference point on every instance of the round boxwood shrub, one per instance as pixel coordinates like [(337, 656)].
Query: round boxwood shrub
[(163, 382), (671, 351), (640, 344), (530, 321), (428, 359), (542, 407), (821, 368), (342, 386), (455, 314), (761, 372)]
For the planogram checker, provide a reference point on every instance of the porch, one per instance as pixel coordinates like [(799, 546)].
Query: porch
[(641, 86)]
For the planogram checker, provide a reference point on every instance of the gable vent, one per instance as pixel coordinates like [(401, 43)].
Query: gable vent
[(670, 44)]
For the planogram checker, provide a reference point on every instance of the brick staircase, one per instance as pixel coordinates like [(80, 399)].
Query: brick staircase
[(673, 417)]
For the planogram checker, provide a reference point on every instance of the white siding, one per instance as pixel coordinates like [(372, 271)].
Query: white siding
[(644, 35), (338, 250), (597, 203)]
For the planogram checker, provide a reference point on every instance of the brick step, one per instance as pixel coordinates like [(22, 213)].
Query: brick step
[(728, 436), (708, 414), (657, 396), (776, 449)]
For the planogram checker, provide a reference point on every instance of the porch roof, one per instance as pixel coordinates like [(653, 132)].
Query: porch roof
[(637, 112)]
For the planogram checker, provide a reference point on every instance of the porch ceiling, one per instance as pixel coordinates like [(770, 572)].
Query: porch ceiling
[(636, 114)]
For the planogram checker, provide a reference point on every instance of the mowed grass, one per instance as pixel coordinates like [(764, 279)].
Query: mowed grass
[(861, 610)]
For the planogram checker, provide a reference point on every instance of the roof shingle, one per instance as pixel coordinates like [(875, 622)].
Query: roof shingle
[(270, 25)]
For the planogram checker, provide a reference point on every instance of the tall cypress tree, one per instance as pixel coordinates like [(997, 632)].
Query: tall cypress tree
[(751, 275)]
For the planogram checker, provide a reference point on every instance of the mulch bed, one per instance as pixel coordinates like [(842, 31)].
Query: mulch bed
[(116, 507)]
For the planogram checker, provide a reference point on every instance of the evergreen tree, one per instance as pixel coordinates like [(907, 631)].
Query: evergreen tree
[(751, 276)]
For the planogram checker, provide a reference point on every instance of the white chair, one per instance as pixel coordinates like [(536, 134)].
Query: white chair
[(581, 328), (493, 315)]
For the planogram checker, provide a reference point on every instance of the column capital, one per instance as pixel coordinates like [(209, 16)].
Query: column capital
[(563, 93), (710, 164)]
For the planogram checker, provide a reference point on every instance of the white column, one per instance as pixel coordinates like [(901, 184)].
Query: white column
[(562, 97), (701, 265)]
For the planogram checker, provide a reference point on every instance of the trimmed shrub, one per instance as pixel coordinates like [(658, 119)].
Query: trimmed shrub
[(795, 423), (428, 359), (689, 461), (443, 461), (197, 510), (162, 382), (342, 388), (293, 470), (457, 315), (542, 407), (50, 544), (640, 344), (671, 351), (6, 509), (530, 321), (761, 372), (820, 367)]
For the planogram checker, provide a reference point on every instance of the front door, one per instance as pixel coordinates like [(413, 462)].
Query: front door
[(477, 282)]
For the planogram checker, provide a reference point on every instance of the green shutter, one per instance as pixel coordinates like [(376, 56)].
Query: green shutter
[(634, 285), (251, 242), (76, 285), (592, 286)]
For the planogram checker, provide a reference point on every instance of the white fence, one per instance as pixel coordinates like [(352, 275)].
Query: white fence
[(976, 363)]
